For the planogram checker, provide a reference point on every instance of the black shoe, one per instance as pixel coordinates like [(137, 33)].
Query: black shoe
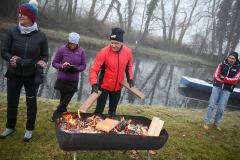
[(7, 132)]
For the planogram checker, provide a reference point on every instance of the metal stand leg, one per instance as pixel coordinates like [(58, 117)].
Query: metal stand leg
[(74, 155), (148, 155)]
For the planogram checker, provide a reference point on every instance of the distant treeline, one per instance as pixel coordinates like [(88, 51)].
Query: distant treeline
[(204, 28)]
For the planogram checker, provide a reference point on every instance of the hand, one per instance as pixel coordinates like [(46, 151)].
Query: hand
[(221, 77), (130, 82), (13, 61), (66, 65), (94, 88), (219, 80), (42, 63)]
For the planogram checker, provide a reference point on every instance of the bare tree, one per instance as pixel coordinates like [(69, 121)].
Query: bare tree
[(186, 26), (131, 10), (203, 44), (143, 17), (91, 12), (75, 9), (70, 12), (56, 9), (173, 21), (223, 20), (120, 19), (108, 11), (44, 6), (233, 28), (215, 6), (164, 30), (150, 9)]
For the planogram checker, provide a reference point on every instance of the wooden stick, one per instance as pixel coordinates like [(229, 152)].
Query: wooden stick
[(134, 90), (89, 101)]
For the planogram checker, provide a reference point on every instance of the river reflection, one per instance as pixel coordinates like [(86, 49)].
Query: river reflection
[(157, 80)]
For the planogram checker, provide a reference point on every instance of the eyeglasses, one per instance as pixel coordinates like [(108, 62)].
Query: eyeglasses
[(21, 15)]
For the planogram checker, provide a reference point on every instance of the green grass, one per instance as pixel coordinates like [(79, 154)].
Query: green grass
[(93, 42), (187, 139)]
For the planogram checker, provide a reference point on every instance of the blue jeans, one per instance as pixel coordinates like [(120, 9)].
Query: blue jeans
[(218, 100)]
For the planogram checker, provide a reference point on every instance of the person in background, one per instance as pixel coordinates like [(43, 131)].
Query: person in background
[(25, 49), (225, 79), (108, 69), (70, 59)]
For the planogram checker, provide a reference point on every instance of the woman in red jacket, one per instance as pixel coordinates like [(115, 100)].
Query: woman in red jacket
[(108, 71)]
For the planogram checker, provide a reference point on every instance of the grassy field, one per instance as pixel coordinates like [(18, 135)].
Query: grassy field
[(93, 42), (187, 139)]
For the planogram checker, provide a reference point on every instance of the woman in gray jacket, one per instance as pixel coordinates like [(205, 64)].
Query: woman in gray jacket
[(26, 51)]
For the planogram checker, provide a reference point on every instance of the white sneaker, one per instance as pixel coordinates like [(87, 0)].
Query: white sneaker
[(7, 132), (27, 135)]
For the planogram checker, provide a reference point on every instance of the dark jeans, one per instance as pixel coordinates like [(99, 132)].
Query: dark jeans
[(114, 98), (14, 86), (65, 98)]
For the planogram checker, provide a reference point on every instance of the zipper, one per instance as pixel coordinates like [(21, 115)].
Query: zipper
[(25, 52), (227, 74), (117, 72), (26, 46)]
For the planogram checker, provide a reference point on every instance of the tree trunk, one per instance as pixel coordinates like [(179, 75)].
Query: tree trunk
[(163, 21), (120, 19), (108, 11), (173, 22), (130, 14), (151, 7), (215, 6), (44, 6), (203, 43), (143, 16), (91, 13), (75, 10), (56, 10), (188, 23), (69, 12), (234, 24), (223, 19)]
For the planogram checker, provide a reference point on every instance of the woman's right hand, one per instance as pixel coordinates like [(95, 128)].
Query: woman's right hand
[(13, 61), (65, 65)]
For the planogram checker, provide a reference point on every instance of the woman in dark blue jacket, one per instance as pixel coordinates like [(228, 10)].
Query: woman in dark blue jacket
[(26, 51)]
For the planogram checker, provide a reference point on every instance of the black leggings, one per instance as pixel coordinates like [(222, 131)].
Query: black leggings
[(64, 101), (113, 101), (14, 87)]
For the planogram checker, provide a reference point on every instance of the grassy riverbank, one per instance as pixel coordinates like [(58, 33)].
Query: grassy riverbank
[(187, 139), (96, 43)]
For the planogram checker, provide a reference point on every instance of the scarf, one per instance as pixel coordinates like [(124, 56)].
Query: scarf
[(26, 30)]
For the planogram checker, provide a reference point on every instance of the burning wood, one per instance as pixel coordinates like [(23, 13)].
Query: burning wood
[(72, 123)]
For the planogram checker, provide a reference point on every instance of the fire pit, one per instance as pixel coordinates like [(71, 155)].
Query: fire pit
[(73, 141)]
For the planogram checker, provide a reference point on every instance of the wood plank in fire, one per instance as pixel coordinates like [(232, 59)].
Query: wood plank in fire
[(155, 127), (107, 125)]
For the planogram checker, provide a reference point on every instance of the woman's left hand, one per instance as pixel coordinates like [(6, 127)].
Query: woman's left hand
[(42, 63)]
